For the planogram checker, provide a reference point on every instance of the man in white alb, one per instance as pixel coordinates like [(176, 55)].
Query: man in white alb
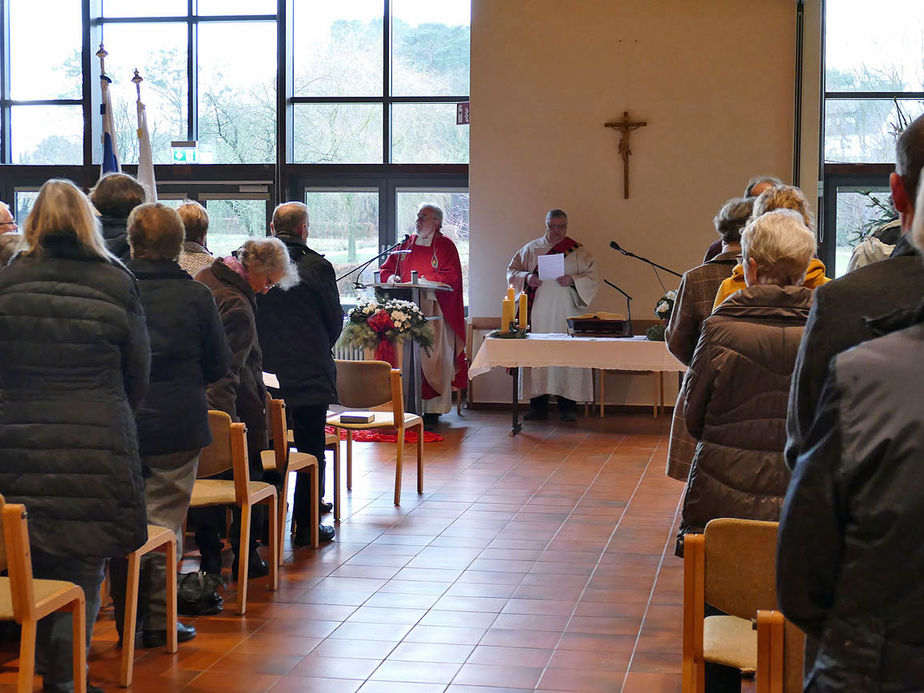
[(551, 302)]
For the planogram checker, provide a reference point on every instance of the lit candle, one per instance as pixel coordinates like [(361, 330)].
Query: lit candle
[(506, 314), (510, 293), (521, 318)]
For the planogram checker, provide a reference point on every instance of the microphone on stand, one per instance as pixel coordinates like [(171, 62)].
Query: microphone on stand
[(388, 251), (615, 246), (628, 297)]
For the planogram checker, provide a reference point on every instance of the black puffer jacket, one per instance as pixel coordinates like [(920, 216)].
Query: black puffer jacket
[(736, 393), (299, 327), (74, 359), (189, 350), (240, 392), (849, 559), (116, 234)]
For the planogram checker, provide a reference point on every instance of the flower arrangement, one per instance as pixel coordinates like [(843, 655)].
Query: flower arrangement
[(665, 305), (379, 326), (663, 309)]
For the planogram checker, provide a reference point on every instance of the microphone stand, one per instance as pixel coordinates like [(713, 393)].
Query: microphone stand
[(615, 246), (628, 303), (363, 266)]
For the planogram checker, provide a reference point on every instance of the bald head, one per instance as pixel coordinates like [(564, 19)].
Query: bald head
[(290, 218)]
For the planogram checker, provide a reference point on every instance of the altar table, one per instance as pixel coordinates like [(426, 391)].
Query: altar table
[(541, 350)]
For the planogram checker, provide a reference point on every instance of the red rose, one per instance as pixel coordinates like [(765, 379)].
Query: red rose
[(380, 322)]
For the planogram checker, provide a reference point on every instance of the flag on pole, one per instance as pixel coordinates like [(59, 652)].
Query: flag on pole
[(110, 161), (145, 158)]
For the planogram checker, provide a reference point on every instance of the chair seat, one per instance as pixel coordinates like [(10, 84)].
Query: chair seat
[(221, 492), (157, 536), (730, 641), (43, 589), (331, 439), (383, 419)]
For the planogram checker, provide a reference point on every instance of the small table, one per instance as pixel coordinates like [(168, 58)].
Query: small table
[(543, 350)]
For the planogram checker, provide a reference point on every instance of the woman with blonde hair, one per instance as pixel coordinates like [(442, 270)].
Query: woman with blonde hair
[(74, 361)]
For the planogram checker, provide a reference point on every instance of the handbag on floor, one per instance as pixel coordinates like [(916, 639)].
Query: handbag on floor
[(197, 594)]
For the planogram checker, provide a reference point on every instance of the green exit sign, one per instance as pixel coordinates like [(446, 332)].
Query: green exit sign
[(185, 152)]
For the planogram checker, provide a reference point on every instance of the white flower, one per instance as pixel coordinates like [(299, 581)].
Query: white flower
[(672, 295), (663, 307)]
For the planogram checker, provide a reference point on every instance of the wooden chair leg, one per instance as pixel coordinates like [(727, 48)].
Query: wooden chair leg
[(129, 622), (282, 509), (398, 461), (171, 560), (337, 482), (349, 447), (243, 560), (274, 541), (420, 443), (315, 507), (27, 658), (602, 392), (79, 637)]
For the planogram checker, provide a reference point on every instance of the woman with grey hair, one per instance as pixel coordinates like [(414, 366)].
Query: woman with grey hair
[(255, 267), (693, 304), (737, 388)]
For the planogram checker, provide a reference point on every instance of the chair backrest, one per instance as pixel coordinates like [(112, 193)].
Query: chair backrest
[(740, 566), (228, 450), (15, 557), (276, 409), (364, 384)]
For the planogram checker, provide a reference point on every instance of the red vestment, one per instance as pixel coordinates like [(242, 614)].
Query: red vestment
[(449, 271)]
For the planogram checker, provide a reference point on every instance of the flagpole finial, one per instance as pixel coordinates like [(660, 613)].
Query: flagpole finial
[(138, 79), (101, 54)]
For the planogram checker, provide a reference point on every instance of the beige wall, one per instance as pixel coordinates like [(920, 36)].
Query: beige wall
[(714, 80)]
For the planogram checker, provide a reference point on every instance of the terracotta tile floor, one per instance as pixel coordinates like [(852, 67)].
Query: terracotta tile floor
[(540, 562)]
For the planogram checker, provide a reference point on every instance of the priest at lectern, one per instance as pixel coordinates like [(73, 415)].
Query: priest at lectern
[(435, 258)]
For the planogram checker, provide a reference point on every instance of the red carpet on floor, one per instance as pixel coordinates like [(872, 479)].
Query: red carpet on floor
[(386, 435)]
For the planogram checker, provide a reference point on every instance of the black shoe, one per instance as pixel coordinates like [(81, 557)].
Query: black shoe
[(536, 415), (303, 535), (431, 421), (158, 638), (568, 415), (256, 567), (324, 507), (52, 688)]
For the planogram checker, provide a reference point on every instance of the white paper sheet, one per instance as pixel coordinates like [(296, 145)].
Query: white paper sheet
[(551, 267)]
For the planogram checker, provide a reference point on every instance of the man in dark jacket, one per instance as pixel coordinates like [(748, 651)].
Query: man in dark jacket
[(298, 329), (115, 196), (838, 319), (849, 561)]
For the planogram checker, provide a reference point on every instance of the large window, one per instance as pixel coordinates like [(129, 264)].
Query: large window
[(362, 99), (349, 105), (874, 86)]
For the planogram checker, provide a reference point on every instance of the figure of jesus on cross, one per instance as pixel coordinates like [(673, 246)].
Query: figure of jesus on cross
[(625, 126)]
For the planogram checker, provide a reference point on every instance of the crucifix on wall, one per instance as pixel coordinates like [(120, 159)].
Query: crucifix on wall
[(625, 126)]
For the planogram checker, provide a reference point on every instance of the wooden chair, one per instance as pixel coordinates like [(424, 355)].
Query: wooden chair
[(26, 600), (284, 461), (471, 325), (375, 385), (229, 451), (158, 538), (732, 566), (780, 654)]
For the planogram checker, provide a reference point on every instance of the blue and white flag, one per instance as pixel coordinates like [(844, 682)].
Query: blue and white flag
[(145, 158), (110, 162)]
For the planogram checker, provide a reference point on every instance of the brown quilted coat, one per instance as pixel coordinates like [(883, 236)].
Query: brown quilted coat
[(736, 400)]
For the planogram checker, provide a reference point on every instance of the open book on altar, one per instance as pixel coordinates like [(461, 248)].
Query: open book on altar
[(428, 283)]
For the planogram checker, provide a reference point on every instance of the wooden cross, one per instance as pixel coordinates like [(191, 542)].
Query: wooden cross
[(625, 126)]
